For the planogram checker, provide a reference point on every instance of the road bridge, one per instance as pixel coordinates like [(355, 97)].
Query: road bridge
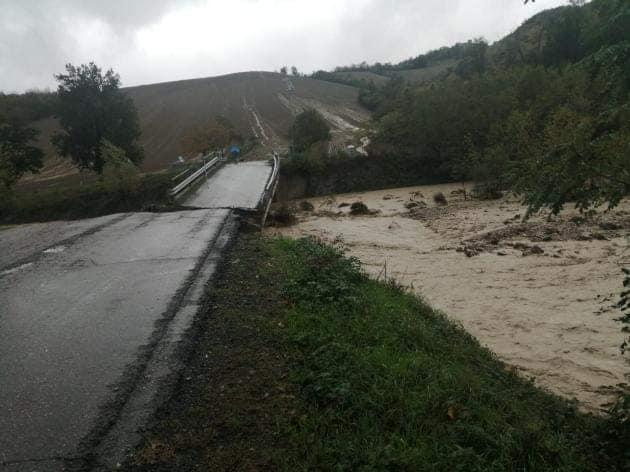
[(94, 313)]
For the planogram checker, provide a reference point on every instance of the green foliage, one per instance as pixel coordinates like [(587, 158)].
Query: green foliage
[(118, 171), (474, 61), (543, 113), (342, 79), (283, 216), (387, 383), (17, 155), (370, 97), (215, 134), (438, 125), (22, 109), (92, 108), (566, 39), (336, 279), (383, 99), (309, 128), (101, 197), (578, 136), (460, 51), (557, 131), (312, 162)]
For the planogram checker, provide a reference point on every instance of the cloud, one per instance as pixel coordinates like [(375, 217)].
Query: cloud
[(38, 37), (158, 40)]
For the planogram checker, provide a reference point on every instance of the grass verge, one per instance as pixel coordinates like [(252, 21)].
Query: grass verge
[(97, 198), (303, 363)]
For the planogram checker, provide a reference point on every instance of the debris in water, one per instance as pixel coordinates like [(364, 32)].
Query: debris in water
[(305, 205), (415, 204), (439, 199), (359, 208)]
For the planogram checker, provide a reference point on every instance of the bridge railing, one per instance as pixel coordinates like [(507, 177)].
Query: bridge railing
[(203, 170), (270, 188)]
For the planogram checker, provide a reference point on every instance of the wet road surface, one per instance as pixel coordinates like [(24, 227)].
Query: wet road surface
[(74, 313), (93, 316), (237, 186), (21, 241)]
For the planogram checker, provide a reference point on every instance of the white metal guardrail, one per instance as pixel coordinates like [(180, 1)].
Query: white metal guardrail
[(270, 188), (183, 185)]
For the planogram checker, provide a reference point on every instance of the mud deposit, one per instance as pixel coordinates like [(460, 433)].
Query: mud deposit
[(538, 292)]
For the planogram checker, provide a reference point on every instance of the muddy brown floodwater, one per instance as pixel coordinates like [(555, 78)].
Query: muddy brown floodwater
[(537, 293)]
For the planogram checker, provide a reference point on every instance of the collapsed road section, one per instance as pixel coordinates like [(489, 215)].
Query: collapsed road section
[(236, 186), (92, 315)]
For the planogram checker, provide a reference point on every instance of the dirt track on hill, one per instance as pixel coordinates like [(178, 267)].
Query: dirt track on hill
[(537, 293)]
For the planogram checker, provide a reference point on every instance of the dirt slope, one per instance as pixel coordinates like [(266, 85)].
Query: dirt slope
[(261, 104)]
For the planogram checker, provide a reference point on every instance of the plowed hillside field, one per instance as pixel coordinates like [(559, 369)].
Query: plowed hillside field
[(260, 104)]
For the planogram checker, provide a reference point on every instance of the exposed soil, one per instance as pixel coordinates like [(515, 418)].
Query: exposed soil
[(260, 104), (538, 292), (222, 415)]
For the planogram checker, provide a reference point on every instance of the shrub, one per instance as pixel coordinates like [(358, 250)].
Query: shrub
[(439, 199), (309, 128), (359, 208), (305, 205), (283, 216), (487, 192), (100, 198)]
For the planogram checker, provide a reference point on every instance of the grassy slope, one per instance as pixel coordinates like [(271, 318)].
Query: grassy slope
[(366, 76), (335, 371), (426, 74)]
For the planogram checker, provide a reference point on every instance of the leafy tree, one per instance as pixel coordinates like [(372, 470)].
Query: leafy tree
[(474, 60), (17, 155), (309, 128), (214, 134), (93, 108), (565, 37), (583, 142), (583, 159), (25, 108), (118, 172)]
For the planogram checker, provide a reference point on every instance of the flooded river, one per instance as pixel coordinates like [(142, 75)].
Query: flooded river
[(537, 293)]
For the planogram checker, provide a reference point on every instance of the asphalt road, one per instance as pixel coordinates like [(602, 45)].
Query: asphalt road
[(93, 314), (236, 186), (75, 313)]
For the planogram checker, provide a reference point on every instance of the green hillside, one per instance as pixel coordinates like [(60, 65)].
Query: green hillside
[(544, 112)]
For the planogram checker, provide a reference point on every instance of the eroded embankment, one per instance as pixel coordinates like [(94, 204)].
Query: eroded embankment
[(538, 293)]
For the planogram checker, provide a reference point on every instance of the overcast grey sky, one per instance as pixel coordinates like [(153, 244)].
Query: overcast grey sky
[(150, 41)]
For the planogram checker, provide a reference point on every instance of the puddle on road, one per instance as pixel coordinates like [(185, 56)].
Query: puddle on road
[(55, 250)]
